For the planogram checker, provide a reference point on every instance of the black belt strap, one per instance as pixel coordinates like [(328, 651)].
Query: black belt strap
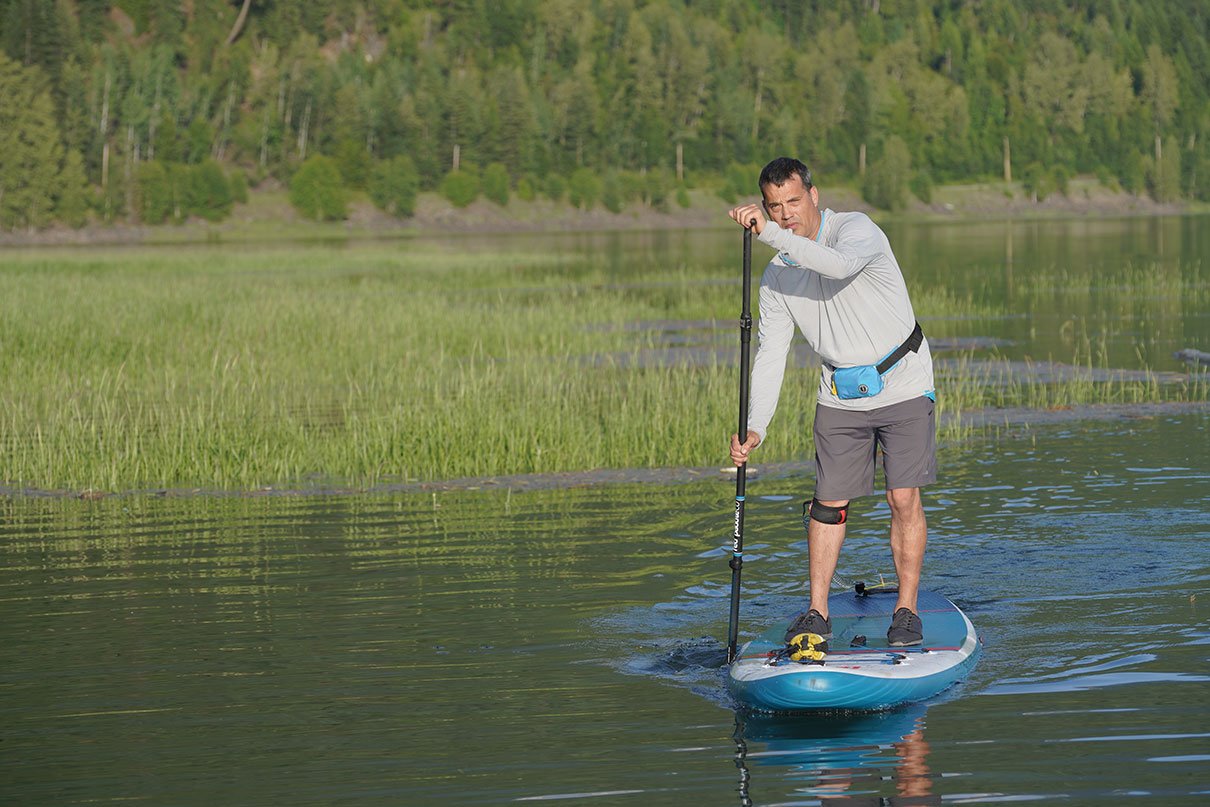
[(911, 345)]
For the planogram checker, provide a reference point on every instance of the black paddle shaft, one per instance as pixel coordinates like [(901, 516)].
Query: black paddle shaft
[(737, 542)]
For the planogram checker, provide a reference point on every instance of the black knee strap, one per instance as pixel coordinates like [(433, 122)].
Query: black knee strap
[(825, 514)]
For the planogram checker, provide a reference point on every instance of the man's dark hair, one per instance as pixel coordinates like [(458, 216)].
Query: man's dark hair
[(781, 169)]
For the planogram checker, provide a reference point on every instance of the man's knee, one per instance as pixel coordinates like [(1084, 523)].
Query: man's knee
[(904, 501), (833, 512)]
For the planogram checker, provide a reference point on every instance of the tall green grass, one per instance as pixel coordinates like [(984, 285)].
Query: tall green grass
[(235, 369)]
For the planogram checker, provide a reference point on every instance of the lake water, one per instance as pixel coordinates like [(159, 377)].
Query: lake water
[(564, 645)]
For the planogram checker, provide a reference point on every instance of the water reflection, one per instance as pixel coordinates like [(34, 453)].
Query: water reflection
[(856, 760)]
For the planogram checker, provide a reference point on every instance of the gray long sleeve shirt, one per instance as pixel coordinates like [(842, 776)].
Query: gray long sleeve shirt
[(845, 292)]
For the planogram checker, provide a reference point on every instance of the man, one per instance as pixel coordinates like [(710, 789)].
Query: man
[(836, 279)]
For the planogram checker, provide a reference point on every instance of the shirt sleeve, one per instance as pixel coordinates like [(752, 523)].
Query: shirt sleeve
[(775, 331), (856, 246)]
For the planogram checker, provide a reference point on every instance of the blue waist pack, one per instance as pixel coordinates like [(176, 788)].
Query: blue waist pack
[(865, 380)]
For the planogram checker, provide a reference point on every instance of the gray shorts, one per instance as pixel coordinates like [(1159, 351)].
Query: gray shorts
[(847, 443)]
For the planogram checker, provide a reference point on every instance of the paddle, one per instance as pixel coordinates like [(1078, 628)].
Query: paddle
[(737, 543)]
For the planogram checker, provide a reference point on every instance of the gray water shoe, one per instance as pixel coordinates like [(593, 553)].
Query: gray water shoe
[(810, 622), (906, 629)]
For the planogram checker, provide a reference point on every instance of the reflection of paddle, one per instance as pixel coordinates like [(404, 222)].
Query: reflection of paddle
[(737, 544)]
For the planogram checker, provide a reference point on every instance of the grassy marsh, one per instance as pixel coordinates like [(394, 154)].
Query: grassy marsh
[(236, 369)]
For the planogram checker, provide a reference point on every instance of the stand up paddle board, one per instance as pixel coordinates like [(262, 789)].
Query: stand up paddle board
[(859, 671)]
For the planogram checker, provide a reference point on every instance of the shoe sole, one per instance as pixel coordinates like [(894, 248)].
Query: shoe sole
[(906, 644)]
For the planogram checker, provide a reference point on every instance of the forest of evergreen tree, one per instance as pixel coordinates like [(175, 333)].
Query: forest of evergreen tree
[(154, 109)]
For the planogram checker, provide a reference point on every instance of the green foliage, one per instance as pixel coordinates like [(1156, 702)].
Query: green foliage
[(460, 187), (583, 189), (353, 162), (1196, 172), (739, 182), (199, 137), (554, 187), (1060, 175), (155, 199), (922, 186), (1037, 181), (316, 190), (526, 188), (495, 183), (655, 189), (75, 194), (682, 197), (207, 192), (612, 198), (1164, 176), (238, 181), (32, 157), (167, 141), (395, 185), (634, 186), (886, 180), (547, 87)]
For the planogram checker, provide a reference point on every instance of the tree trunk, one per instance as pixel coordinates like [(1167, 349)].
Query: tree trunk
[(760, 74), (1008, 165), (457, 155), (680, 162), (105, 176), (302, 132), (239, 22), (129, 173), (264, 138), (861, 160)]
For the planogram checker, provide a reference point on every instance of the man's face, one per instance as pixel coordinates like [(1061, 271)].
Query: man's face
[(792, 207)]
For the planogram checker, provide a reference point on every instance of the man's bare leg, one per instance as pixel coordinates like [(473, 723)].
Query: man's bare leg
[(909, 535), (823, 549)]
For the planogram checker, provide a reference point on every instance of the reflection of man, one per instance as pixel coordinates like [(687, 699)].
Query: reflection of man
[(843, 761), (836, 279)]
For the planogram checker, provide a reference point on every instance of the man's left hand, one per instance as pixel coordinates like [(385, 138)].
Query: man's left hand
[(746, 213)]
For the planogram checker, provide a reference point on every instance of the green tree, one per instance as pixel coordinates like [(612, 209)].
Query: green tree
[(583, 189), (554, 188), (886, 182), (238, 182), (209, 193), (316, 190), (1160, 93), (74, 192), (1037, 181), (514, 120), (31, 151), (1054, 86), (495, 183), (1164, 180), (461, 187), (655, 189), (526, 188), (612, 197), (199, 136), (155, 198), (395, 185)]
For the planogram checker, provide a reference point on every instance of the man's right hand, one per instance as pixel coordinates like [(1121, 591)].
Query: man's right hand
[(739, 452), (745, 214)]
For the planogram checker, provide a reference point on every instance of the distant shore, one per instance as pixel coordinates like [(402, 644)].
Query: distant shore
[(268, 216)]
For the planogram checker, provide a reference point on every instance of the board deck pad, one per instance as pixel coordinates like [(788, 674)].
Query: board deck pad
[(866, 676)]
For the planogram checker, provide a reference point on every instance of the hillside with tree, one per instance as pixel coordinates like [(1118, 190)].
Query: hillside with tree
[(154, 110)]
